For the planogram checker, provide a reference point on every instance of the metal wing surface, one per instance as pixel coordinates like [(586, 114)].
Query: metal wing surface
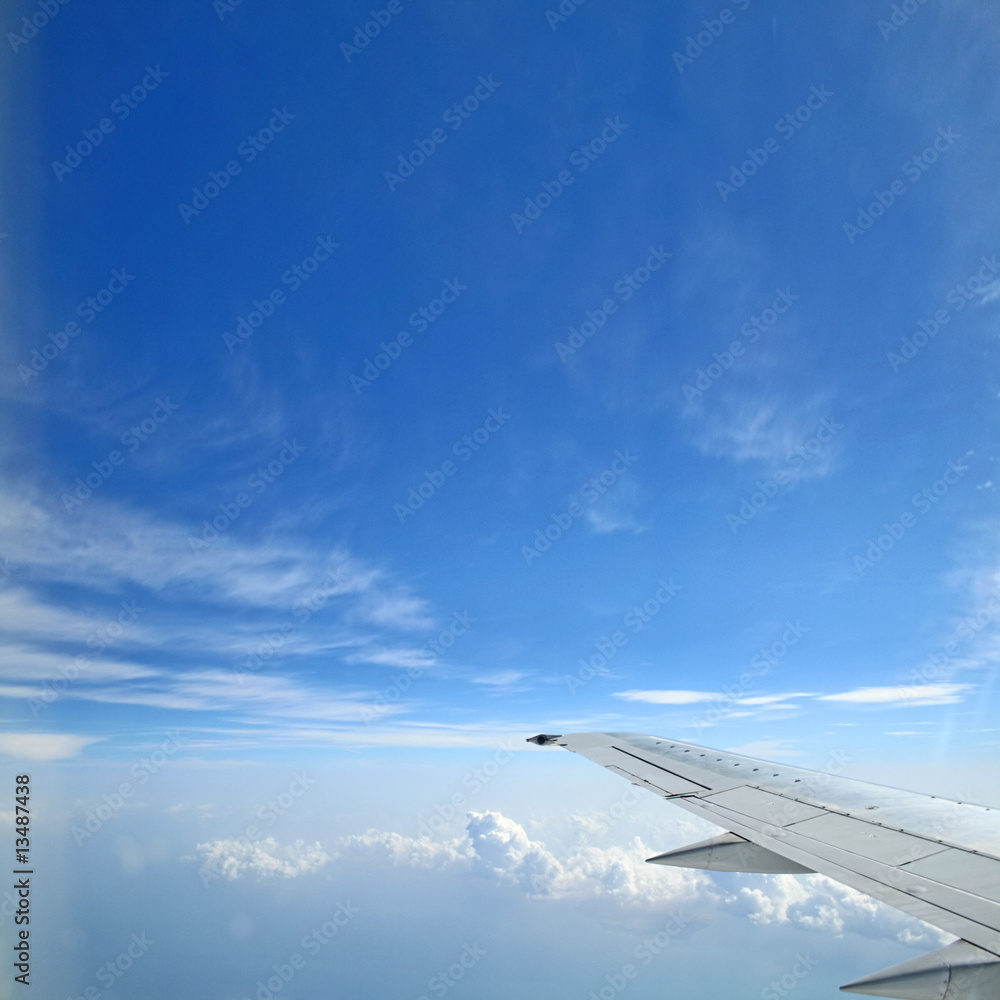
[(933, 858)]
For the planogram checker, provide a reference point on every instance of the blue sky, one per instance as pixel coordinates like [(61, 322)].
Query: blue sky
[(381, 405)]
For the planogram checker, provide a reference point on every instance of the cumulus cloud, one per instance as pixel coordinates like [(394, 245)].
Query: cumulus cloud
[(498, 849), (411, 852), (502, 849), (816, 902), (232, 859)]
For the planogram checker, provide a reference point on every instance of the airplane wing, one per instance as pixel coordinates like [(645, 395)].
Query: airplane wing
[(933, 858)]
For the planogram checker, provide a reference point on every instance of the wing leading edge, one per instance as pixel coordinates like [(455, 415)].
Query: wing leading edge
[(932, 858)]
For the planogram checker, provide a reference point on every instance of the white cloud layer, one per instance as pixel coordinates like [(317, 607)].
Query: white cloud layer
[(231, 859), (497, 848), (818, 903)]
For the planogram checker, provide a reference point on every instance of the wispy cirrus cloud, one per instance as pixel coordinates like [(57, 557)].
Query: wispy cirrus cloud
[(264, 696), (501, 679), (773, 700), (903, 696), (417, 657), (238, 599), (44, 746), (896, 695), (109, 546), (668, 697), (617, 510), (747, 427), (25, 663), (400, 610), (783, 700)]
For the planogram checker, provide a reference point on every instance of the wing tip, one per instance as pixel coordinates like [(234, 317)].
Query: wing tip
[(543, 740)]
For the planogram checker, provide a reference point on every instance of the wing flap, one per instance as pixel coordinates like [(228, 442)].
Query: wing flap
[(767, 807), (969, 872), (869, 840)]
